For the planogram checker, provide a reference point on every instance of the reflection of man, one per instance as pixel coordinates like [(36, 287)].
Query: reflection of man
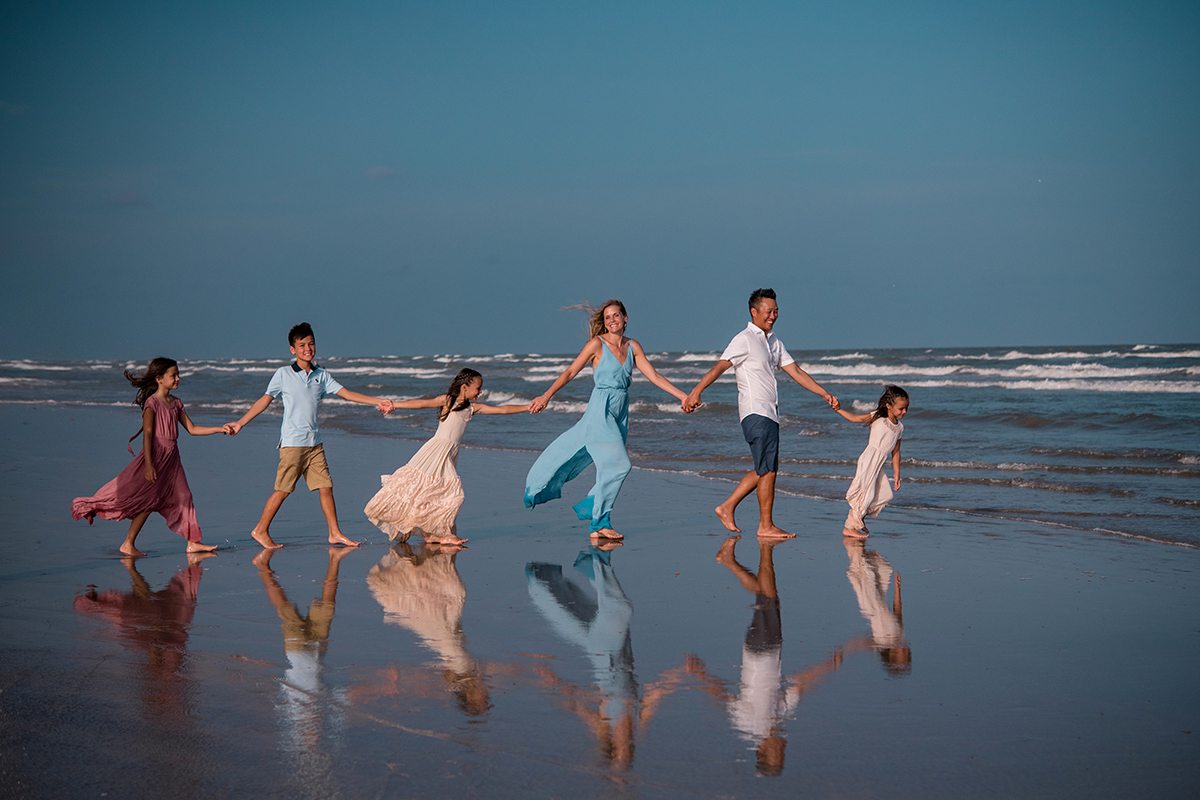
[(303, 702), (870, 574), (600, 627), (763, 703), (156, 623)]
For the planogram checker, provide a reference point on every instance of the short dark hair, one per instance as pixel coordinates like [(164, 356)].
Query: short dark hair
[(759, 295), (298, 332)]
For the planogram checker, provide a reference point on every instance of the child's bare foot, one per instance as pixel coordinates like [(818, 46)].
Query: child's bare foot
[(265, 540), (341, 538), (129, 550), (606, 533), (726, 516), (200, 547), (448, 539), (773, 532), (725, 554), (850, 533)]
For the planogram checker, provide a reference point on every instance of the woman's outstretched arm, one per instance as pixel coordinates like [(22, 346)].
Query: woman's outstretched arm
[(643, 364), (588, 353)]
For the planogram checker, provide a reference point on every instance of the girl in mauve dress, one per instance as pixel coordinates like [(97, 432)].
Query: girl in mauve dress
[(154, 480), (426, 493), (869, 491)]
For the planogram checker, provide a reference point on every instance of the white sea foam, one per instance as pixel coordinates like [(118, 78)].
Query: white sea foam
[(713, 356), (1024, 371), (1130, 387), (846, 357)]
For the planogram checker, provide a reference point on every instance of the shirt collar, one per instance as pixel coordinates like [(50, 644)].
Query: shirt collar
[(296, 367), (750, 326)]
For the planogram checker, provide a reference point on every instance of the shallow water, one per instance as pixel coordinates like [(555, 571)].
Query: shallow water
[(1019, 663)]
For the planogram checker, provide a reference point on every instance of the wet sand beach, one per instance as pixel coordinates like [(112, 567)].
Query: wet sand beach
[(1020, 663)]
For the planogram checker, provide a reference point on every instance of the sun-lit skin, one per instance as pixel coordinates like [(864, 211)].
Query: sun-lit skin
[(895, 412)]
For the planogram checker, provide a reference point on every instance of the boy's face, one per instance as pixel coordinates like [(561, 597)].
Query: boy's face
[(305, 349)]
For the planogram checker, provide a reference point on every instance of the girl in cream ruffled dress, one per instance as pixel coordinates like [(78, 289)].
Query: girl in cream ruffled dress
[(869, 492)]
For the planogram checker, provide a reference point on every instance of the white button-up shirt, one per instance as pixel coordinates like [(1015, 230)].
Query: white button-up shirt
[(302, 392), (756, 356)]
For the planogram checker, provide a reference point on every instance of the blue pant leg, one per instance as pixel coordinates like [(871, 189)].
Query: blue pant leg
[(612, 465)]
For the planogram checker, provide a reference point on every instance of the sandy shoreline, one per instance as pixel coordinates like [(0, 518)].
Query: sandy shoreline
[(1041, 666)]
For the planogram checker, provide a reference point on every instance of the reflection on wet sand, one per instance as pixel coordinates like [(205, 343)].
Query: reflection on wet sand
[(870, 574), (155, 623), (600, 627), (762, 704), (422, 592), (307, 709)]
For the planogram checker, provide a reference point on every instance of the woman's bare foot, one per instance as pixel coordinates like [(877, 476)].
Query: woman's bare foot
[(265, 540), (607, 533), (774, 532), (341, 538), (200, 547), (129, 550), (725, 554), (605, 545), (850, 533), (726, 516)]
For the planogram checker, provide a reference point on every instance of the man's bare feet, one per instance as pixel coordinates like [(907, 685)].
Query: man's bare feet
[(341, 538), (265, 540), (130, 550), (200, 547), (606, 533), (726, 516), (773, 532), (725, 554), (850, 533)]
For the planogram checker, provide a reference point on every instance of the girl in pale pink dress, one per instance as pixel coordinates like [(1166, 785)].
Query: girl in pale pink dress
[(156, 482), (869, 492), (426, 493)]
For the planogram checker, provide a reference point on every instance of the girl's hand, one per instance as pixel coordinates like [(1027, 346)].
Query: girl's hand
[(149, 473), (538, 404), (896, 483), (386, 407)]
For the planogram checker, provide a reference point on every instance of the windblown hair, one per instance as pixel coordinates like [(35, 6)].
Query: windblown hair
[(298, 332), (464, 376), (890, 394), (596, 315), (147, 382), (758, 295)]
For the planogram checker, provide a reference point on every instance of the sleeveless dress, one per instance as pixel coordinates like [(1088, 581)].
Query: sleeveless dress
[(130, 494), (870, 491), (426, 493), (599, 437)]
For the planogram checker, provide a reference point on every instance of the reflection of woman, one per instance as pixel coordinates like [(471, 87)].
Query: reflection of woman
[(423, 592), (600, 436), (870, 574), (156, 623)]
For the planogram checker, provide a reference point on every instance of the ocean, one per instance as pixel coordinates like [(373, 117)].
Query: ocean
[(1081, 441)]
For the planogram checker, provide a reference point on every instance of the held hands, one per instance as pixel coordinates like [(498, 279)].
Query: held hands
[(386, 407), (833, 402), (230, 428), (691, 403), (538, 404)]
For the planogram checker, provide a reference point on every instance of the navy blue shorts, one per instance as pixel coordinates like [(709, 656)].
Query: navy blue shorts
[(762, 435)]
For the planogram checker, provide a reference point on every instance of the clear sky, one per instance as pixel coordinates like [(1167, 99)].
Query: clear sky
[(192, 178)]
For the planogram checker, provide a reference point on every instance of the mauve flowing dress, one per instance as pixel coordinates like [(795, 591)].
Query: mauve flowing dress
[(130, 494)]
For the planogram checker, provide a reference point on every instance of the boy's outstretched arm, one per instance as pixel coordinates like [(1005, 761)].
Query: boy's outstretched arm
[(259, 406), (692, 402), (382, 403), (804, 379)]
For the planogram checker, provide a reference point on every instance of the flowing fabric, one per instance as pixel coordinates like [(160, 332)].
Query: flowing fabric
[(130, 494), (869, 492), (597, 438), (426, 493)]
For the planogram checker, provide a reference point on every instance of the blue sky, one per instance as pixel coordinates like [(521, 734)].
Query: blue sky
[(192, 178)]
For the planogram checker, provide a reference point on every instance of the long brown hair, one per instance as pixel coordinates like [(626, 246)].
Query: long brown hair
[(596, 315), (464, 377), (147, 382), (890, 395)]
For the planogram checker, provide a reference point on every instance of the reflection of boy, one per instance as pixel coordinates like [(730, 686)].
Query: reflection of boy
[(755, 355), (302, 384)]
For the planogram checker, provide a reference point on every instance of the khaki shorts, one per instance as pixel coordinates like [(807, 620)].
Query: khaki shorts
[(306, 462)]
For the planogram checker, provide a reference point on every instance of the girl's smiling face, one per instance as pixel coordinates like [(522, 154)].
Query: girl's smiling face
[(897, 409), (472, 389), (169, 380)]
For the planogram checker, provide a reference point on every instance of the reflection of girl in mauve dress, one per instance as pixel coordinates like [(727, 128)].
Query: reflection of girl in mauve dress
[(869, 492), (426, 493), (156, 483), (600, 436)]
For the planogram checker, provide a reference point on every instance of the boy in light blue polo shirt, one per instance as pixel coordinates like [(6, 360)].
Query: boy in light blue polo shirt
[(302, 384)]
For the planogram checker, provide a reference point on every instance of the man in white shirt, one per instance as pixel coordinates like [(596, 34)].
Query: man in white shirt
[(755, 355)]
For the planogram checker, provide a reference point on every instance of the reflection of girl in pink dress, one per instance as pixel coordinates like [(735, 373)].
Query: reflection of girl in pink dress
[(869, 492), (156, 483)]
